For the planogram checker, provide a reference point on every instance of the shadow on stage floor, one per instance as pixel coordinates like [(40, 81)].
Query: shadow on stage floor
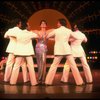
[(57, 91)]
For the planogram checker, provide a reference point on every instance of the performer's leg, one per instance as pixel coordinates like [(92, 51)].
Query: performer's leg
[(52, 70), (8, 68), (44, 67), (30, 65), (66, 70), (39, 65), (87, 70), (24, 70), (15, 71), (75, 71)]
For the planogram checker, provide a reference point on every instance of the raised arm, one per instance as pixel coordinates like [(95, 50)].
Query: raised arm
[(36, 32), (31, 34), (50, 33)]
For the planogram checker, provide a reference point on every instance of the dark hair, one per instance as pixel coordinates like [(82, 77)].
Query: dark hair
[(24, 25), (75, 26), (16, 21), (43, 21), (62, 21)]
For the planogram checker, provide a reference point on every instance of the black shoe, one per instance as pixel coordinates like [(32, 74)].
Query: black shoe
[(65, 82), (5, 82), (27, 82), (41, 84), (81, 84), (48, 85), (37, 84), (89, 82), (13, 84)]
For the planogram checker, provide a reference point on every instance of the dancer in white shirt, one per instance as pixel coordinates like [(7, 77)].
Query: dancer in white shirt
[(61, 49), (10, 50), (78, 52), (24, 49)]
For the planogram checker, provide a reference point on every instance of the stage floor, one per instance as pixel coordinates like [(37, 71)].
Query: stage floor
[(57, 91)]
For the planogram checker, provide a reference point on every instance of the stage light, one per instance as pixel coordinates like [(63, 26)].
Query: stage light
[(96, 57), (87, 57)]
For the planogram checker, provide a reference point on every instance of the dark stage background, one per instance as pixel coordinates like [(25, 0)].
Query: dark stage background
[(84, 13)]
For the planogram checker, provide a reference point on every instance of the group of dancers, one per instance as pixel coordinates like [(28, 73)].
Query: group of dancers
[(21, 51)]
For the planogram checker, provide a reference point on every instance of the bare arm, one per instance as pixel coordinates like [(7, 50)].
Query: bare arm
[(50, 33)]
